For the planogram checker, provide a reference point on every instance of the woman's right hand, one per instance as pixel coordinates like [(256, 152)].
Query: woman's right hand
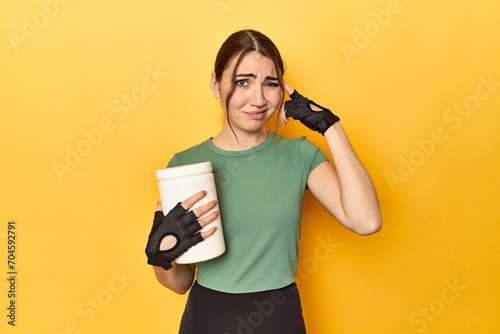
[(172, 235)]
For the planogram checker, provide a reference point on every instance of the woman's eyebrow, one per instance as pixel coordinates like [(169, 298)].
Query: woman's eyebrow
[(247, 75), (254, 76)]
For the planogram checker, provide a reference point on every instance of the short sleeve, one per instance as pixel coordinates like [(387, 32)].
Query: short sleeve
[(312, 155), (173, 162)]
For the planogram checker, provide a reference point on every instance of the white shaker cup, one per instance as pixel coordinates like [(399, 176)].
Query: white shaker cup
[(178, 183)]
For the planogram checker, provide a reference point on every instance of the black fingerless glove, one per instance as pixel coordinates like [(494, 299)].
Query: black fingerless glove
[(299, 108), (179, 223)]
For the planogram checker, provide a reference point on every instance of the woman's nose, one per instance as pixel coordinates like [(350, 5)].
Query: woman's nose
[(257, 97)]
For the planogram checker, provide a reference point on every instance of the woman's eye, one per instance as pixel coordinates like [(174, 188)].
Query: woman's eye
[(242, 83), (272, 84)]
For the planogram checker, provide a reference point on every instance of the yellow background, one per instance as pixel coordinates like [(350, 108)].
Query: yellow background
[(81, 233)]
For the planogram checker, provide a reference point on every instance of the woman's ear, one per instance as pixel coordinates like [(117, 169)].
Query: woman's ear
[(214, 84)]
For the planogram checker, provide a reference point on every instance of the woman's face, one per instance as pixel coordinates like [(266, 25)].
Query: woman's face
[(257, 93)]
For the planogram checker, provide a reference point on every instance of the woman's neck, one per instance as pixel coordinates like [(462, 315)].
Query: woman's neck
[(227, 141)]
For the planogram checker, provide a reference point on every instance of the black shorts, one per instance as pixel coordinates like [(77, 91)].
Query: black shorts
[(267, 312)]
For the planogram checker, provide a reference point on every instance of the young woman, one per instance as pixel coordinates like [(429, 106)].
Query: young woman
[(250, 288)]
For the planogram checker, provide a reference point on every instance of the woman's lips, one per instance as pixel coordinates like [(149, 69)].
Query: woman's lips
[(256, 114)]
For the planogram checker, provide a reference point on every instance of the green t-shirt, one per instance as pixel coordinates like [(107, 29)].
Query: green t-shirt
[(260, 193)]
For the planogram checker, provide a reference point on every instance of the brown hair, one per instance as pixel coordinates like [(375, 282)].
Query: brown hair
[(243, 42)]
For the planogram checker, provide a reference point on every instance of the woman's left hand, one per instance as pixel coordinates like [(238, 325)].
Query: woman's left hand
[(312, 115), (289, 90)]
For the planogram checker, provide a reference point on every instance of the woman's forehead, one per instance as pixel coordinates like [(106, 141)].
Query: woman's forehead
[(253, 62)]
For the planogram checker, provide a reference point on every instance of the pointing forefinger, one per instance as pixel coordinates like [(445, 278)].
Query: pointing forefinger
[(289, 90)]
